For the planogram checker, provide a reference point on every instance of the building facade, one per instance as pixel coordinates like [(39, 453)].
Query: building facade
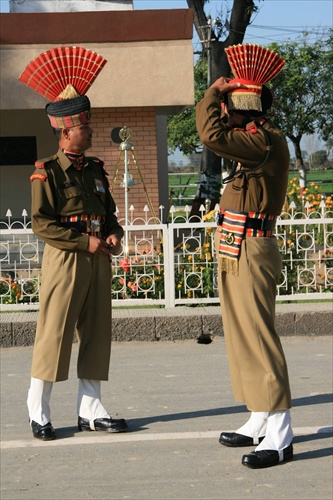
[(148, 76)]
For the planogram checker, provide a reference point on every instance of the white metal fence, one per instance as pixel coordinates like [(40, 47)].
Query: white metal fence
[(173, 264)]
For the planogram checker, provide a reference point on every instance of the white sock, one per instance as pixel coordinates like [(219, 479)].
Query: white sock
[(39, 400), (279, 433), (256, 425), (89, 400)]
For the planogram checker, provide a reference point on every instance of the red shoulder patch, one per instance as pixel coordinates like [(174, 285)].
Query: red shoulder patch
[(38, 176), (252, 128), (40, 164)]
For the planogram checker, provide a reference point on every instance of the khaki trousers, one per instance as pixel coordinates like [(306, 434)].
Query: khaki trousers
[(257, 363), (75, 291)]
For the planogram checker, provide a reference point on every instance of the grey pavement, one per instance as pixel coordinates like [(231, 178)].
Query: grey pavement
[(176, 397)]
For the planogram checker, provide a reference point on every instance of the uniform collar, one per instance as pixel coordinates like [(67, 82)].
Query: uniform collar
[(63, 160)]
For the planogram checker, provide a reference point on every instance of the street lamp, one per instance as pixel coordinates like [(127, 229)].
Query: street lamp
[(126, 146)]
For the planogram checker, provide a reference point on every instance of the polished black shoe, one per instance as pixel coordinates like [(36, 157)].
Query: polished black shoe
[(44, 432), (237, 440), (267, 458), (102, 424)]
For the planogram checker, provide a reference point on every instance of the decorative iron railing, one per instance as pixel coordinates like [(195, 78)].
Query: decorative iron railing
[(176, 264)]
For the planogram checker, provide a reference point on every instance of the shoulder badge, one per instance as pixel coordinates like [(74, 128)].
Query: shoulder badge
[(40, 177)]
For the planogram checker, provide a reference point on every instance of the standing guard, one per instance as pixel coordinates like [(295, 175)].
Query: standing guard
[(73, 212), (232, 121)]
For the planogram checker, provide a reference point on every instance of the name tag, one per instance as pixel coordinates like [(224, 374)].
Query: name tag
[(99, 186)]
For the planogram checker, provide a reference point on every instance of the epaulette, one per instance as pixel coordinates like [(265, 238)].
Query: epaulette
[(96, 160), (100, 163), (252, 128), (42, 163)]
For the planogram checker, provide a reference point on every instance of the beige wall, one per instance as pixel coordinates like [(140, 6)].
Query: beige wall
[(158, 74)]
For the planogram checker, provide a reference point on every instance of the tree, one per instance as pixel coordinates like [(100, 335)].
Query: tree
[(303, 91), (182, 132), (181, 129)]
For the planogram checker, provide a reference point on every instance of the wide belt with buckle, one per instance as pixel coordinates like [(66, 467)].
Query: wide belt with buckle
[(87, 224), (257, 224)]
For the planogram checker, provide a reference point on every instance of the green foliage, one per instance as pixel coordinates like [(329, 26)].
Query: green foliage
[(303, 90), (318, 158), (10, 290), (182, 131), (13, 291)]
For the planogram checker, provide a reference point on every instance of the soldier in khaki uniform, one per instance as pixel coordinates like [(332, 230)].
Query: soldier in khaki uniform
[(73, 212), (232, 121)]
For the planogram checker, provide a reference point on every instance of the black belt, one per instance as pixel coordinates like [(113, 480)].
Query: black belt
[(260, 224)]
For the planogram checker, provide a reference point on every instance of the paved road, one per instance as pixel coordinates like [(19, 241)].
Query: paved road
[(176, 397)]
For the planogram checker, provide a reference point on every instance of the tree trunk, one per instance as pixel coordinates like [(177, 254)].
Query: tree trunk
[(299, 162), (218, 66)]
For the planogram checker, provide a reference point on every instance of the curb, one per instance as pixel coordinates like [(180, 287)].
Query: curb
[(180, 323)]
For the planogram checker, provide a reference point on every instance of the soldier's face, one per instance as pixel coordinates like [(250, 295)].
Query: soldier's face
[(80, 138)]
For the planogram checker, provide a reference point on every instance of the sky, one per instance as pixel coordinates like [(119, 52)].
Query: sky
[(275, 21)]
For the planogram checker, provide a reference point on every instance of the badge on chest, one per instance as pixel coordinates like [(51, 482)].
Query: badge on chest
[(99, 186)]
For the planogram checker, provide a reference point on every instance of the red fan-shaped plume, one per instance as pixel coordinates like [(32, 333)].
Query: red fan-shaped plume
[(51, 72), (253, 62)]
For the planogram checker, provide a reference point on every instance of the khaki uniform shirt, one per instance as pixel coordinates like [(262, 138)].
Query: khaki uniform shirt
[(58, 189), (263, 190)]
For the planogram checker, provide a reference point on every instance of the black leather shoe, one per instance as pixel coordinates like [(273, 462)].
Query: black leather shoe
[(266, 458), (44, 432), (237, 440), (103, 424)]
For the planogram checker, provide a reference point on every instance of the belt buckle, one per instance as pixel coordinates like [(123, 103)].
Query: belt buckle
[(95, 226)]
